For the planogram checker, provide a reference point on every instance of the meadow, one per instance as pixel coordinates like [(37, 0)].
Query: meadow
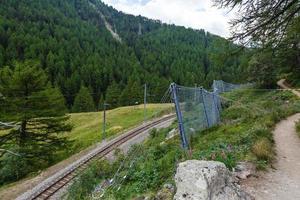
[(87, 131), (88, 127)]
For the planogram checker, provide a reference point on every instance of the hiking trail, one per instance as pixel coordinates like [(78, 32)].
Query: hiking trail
[(282, 181)]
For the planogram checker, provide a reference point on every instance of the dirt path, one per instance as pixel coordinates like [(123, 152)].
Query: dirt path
[(283, 181), (282, 83)]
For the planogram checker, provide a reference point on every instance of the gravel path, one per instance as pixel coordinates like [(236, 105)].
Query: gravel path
[(283, 180)]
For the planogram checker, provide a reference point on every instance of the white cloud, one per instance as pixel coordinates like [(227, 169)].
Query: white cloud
[(198, 14)]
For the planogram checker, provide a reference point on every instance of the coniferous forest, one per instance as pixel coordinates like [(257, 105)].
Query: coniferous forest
[(70, 41)]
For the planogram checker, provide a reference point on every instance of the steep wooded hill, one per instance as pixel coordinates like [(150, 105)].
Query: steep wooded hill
[(87, 43)]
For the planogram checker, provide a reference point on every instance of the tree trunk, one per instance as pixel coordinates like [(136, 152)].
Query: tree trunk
[(23, 134)]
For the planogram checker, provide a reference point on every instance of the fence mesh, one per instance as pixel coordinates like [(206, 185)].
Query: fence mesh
[(222, 86), (197, 108)]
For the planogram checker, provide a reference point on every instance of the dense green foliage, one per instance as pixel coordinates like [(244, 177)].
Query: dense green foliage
[(83, 101), (70, 40), (287, 54), (245, 134), (39, 111), (272, 27)]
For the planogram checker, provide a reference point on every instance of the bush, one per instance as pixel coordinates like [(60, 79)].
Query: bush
[(13, 167), (237, 112), (221, 152), (262, 149), (87, 181)]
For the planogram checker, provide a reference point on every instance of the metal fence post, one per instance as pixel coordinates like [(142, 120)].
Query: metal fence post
[(207, 120), (179, 117)]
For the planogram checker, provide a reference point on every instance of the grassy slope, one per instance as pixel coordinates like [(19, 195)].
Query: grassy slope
[(245, 134), (87, 127)]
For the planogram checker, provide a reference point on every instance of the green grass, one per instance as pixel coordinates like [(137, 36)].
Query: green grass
[(88, 127), (244, 134), (87, 131), (246, 130)]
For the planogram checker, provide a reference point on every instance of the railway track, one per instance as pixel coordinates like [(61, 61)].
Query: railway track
[(55, 184)]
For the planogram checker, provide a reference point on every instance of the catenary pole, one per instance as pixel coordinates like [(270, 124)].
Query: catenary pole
[(145, 101), (104, 119)]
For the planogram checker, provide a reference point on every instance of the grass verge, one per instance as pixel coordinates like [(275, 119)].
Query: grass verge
[(244, 134)]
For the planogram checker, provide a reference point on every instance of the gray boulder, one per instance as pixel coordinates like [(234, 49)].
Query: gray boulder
[(244, 169), (206, 180)]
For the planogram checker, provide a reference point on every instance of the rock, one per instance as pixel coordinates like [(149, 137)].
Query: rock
[(143, 198), (244, 169), (140, 198), (206, 180), (170, 187), (164, 194), (172, 134)]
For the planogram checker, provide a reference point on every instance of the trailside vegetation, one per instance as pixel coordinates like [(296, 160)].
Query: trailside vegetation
[(245, 134)]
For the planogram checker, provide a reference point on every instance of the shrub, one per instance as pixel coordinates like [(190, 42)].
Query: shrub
[(262, 149), (86, 182), (13, 167), (236, 112)]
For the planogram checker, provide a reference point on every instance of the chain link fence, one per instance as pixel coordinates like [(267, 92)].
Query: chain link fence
[(198, 109)]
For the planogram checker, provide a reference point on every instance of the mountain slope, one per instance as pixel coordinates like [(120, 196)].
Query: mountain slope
[(78, 42)]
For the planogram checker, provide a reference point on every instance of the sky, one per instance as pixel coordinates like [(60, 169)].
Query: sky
[(197, 14)]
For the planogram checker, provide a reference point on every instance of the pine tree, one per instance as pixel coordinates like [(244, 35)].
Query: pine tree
[(132, 94), (37, 108), (262, 70), (100, 103), (83, 101), (113, 95), (1, 55)]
